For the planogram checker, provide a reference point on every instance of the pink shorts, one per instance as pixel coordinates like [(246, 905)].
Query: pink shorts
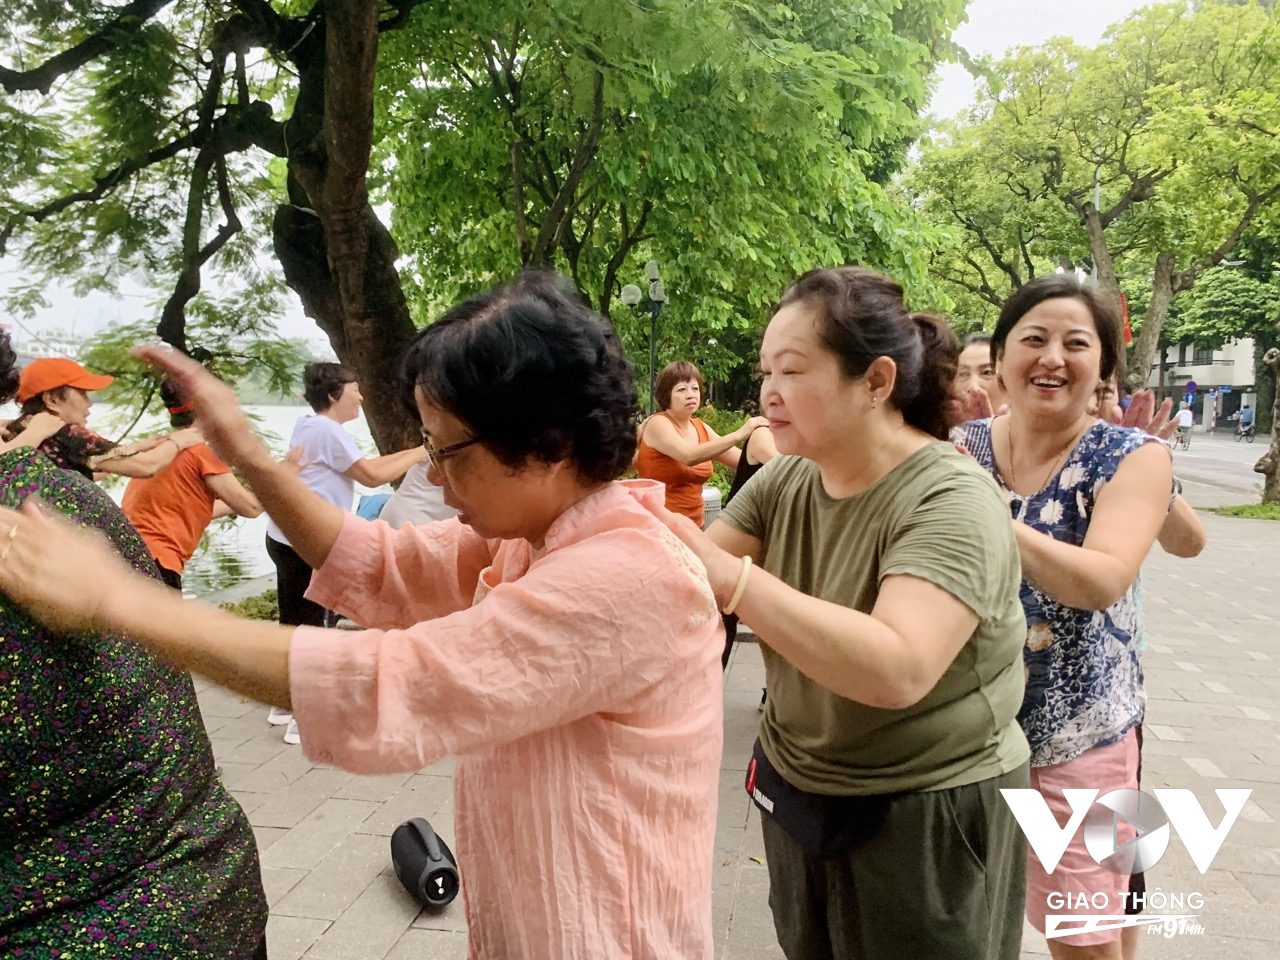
[(1112, 767)]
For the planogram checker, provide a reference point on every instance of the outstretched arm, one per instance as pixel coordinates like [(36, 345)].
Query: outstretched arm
[(310, 523)]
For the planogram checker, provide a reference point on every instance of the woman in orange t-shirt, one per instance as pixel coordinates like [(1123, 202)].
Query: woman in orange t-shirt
[(677, 448)]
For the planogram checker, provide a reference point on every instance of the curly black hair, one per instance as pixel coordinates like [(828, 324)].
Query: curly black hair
[(323, 383), (8, 369), (533, 372)]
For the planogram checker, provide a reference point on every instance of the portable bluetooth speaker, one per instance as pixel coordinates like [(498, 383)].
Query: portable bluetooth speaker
[(424, 863)]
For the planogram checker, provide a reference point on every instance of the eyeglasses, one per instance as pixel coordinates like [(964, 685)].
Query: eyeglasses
[(438, 455)]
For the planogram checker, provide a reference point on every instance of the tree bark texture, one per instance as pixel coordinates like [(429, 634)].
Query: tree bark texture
[(1164, 284), (1269, 465), (336, 254)]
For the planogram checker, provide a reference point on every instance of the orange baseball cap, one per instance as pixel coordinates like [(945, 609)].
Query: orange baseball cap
[(49, 373)]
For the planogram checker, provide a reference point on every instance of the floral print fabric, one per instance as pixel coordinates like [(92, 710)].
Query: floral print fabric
[(117, 840), (1084, 682), (73, 447)]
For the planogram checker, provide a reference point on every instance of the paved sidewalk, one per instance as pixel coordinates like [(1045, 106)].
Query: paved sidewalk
[(1213, 678)]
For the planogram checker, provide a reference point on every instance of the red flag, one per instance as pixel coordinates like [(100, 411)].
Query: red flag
[(1124, 312)]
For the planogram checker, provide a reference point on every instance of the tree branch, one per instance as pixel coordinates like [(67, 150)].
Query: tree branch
[(1185, 279), (236, 130), (402, 10), (172, 328), (517, 199), (980, 235), (1141, 189), (559, 211), (102, 186), (129, 20), (629, 240)]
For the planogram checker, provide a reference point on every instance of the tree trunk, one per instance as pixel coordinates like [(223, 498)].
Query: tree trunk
[(1102, 262), (1144, 351), (1264, 379), (336, 254), (1269, 465), (1163, 389), (375, 354)]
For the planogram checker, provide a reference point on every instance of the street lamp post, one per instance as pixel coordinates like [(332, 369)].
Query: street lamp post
[(652, 304)]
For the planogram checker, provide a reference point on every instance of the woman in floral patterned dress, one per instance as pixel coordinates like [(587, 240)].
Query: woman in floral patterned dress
[(1088, 499), (118, 840)]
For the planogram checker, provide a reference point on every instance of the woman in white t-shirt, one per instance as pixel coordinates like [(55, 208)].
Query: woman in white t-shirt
[(331, 466)]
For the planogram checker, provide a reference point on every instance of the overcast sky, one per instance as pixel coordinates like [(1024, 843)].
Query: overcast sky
[(993, 27)]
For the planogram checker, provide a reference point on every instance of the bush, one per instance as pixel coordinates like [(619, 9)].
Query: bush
[(722, 422), (265, 606)]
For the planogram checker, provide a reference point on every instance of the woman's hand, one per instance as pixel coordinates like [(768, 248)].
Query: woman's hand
[(221, 421), (1144, 415), (62, 575), (293, 460), (723, 568), (748, 428), (973, 403)]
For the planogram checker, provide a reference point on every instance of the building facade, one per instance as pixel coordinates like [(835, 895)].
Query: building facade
[(1222, 379)]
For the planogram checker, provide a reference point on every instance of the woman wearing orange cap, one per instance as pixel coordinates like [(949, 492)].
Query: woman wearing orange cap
[(61, 387)]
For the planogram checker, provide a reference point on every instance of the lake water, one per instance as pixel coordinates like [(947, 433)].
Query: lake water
[(233, 549)]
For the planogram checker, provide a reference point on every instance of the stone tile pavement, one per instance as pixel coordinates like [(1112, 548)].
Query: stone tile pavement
[(1213, 675)]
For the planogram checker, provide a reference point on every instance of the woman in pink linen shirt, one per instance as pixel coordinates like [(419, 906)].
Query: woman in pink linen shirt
[(556, 637)]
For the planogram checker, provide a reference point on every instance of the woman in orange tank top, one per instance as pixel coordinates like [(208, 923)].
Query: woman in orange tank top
[(677, 448)]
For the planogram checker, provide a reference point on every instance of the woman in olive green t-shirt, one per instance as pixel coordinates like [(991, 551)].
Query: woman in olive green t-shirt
[(878, 567)]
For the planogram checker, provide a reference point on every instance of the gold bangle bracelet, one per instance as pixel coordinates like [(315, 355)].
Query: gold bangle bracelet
[(741, 588)]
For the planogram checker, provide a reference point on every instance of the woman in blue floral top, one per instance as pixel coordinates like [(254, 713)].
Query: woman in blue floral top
[(1087, 499)]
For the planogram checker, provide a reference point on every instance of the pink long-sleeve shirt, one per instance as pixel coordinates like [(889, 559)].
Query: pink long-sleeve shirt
[(580, 687)]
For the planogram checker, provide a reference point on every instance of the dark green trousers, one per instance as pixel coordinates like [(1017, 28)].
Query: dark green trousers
[(943, 878)]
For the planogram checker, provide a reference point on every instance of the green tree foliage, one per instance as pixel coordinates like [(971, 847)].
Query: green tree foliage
[(737, 141), (738, 144), (1232, 303), (1226, 304), (1172, 123), (160, 139)]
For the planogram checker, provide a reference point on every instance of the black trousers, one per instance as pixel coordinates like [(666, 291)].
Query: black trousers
[(293, 576), (171, 578), (942, 877), (730, 621)]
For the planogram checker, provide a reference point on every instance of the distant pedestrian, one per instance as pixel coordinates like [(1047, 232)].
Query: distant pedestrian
[(416, 501), (976, 369), (1186, 417)]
